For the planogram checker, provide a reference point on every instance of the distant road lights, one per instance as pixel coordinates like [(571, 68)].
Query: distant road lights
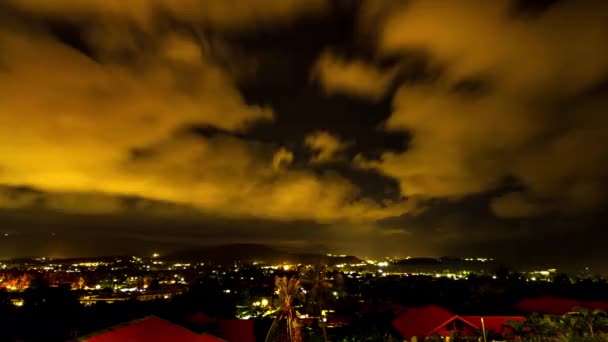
[(264, 302), (155, 255)]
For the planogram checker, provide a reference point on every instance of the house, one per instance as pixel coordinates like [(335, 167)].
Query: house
[(201, 319), (434, 320), (429, 320), (237, 330), (149, 329), (496, 324), (231, 330)]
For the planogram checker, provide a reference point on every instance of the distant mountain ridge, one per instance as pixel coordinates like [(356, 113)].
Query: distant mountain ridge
[(248, 252)]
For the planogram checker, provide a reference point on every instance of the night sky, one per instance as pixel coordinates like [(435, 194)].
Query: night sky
[(371, 127)]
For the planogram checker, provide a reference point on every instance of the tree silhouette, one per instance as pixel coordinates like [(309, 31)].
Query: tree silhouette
[(319, 296), (518, 330), (582, 322), (287, 318), (541, 327)]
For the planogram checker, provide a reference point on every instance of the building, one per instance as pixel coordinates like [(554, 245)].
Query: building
[(498, 325), (149, 329), (430, 320), (231, 330)]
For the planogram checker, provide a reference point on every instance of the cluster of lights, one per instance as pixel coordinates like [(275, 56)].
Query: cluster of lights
[(262, 303), (353, 265), (479, 259), (284, 267), (545, 272)]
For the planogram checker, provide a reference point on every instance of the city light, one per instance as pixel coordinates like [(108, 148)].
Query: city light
[(397, 169), (172, 278)]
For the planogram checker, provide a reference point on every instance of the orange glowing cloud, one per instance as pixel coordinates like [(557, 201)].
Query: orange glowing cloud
[(492, 114), (93, 131)]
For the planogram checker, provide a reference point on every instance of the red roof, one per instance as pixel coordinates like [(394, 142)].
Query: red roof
[(556, 306), (201, 319), (150, 329), (497, 324), (425, 321), (209, 338), (232, 330), (237, 330), (339, 320), (596, 305)]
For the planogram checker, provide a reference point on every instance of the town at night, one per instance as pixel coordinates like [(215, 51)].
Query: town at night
[(303, 170), (339, 297)]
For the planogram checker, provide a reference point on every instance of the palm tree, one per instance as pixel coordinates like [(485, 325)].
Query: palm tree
[(319, 296), (540, 327), (286, 319), (567, 326), (584, 321), (517, 330)]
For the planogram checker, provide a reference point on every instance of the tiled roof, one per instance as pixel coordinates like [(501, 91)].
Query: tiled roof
[(424, 321), (149, 329)]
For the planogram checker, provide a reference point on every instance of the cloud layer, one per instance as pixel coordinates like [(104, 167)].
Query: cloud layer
[(517, 97), (162, 107), (146, 13), (355, 77), (325, 146), (79, 122)]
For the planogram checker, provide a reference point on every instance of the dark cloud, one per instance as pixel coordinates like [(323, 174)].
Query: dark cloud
[(373, 127), (104, 125), (146, 14), (497, 109), (468, 227), (39, 231)]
